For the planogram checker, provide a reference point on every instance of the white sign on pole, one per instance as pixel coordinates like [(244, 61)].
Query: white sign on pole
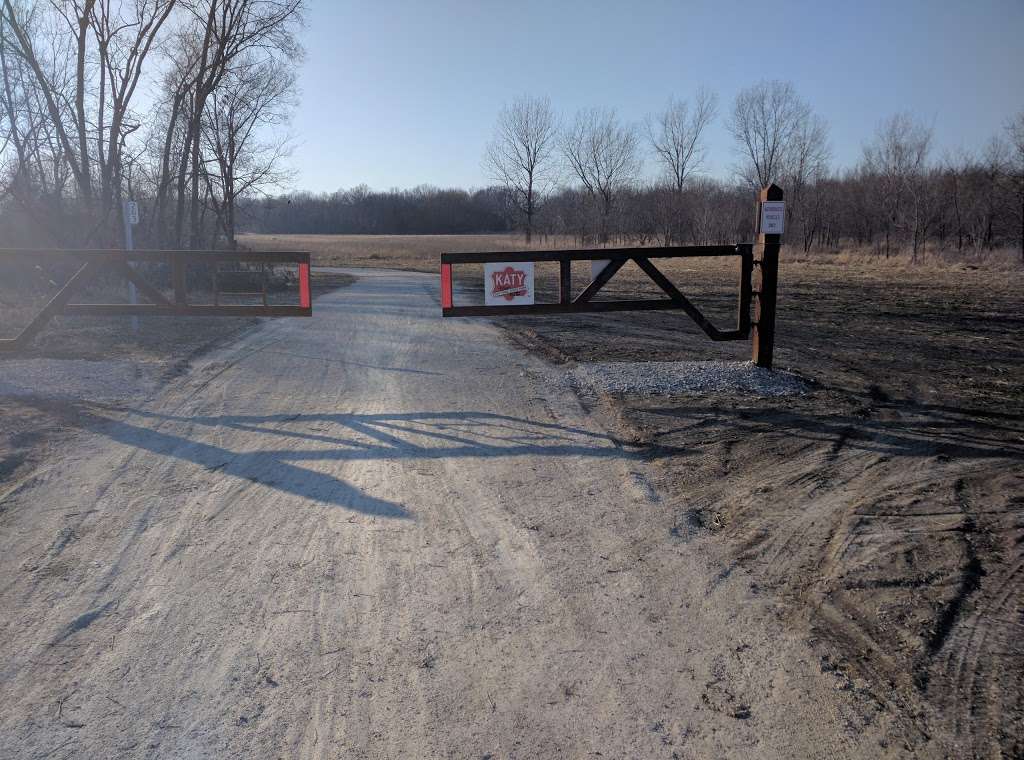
[(773, 217), (508, 284), (131, 212)]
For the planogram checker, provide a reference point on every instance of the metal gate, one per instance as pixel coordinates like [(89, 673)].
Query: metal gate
[(617, 257), (759, 265), (93, 263)]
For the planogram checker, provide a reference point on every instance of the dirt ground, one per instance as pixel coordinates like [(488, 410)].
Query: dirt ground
[(161, 350), (886, 507), (377, 534), (882, 513)]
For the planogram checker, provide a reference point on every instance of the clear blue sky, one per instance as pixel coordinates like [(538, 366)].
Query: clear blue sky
[(396, 94)]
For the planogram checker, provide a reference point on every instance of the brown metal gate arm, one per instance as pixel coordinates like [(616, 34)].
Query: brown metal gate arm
[(600, 281), (141, 283), (88, 270), (98, 260), (684, 303)]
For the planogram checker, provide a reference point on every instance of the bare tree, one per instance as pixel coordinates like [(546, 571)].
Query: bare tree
[(521, 155), (993, 170), (1015, 131), (255, 97), (897, 159), (957, 171), (676, 136), (77, 75), (71, 143), (223, 31), (602, 153), (125, 36), (765, 119), (805, 162), (58, 81)]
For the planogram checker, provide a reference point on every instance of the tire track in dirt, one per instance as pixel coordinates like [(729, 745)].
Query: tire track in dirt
[(904, 561)]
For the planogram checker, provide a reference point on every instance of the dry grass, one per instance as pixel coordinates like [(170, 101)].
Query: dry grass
[(418, 253), (930, 259)]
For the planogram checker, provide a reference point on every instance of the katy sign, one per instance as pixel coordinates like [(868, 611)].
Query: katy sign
[(508, 284)]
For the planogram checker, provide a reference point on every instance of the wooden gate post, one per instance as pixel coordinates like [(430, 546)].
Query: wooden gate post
[(766, 275)]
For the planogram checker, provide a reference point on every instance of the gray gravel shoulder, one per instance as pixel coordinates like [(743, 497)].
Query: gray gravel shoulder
[(684, 377)]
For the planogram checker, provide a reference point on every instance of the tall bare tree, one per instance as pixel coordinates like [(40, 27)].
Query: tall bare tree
[(84, 68), (521, 155), (603, 154), (125, 34), (897, 158), (805, 163), (256, 95), (765, 119), (58, 74), (676, 136), (224, 30)]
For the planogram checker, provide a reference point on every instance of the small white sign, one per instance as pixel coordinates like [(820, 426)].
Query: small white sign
[(596, 267), (773, 217), (508, 284), (131, 212)]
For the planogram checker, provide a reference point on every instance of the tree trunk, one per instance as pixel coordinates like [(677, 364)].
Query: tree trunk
[(83, 135)]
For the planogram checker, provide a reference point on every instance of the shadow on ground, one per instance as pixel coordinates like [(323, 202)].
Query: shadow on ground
[(270, 449)]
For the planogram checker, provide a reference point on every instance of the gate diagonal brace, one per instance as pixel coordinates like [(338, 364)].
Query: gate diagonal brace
[(144, 287), (659, 279), (602, 279)]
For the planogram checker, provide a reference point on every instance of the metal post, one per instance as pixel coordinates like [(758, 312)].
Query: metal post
[(565, 281), (127, 212), (766, 277), (178, 279)]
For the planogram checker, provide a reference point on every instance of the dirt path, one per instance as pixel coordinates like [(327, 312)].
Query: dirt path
[(375, 534)]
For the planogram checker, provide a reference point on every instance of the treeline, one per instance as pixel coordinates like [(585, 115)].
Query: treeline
[(583, 177), (203, 153), (360, 211), (959, 206), (77, 137)]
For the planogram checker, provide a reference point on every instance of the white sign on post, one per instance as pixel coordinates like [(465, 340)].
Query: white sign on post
[(508, 284), (773, 217), (131, 212)]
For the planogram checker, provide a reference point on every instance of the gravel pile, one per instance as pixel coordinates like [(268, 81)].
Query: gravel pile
[(668, 378)]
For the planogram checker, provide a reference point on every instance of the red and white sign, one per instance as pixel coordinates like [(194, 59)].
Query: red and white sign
[(507, 284)]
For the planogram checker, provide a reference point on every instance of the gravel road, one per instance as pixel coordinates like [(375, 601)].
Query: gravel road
[(379, 534)]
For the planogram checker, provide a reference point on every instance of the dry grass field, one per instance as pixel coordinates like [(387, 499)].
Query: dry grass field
[(416, 253), (885, 508)]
